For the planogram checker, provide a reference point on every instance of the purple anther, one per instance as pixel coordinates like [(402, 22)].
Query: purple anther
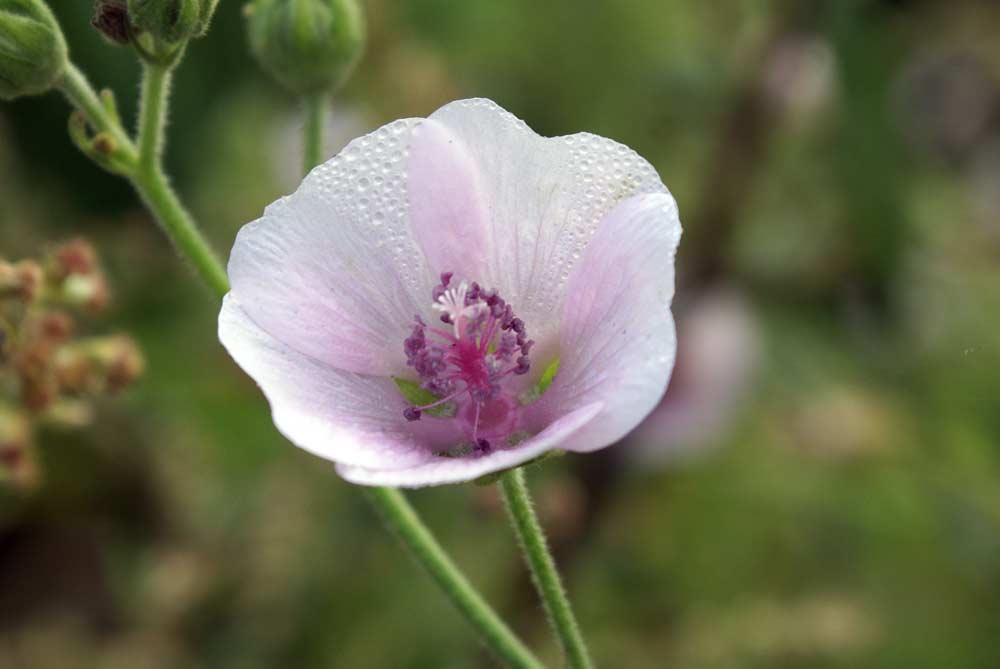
[(470, 366), (472, 296)]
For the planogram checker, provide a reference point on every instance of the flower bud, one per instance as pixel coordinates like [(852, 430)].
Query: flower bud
[(32, 49), (76, 256), (111, 20), (99, 365), (309, 46), (85, 291), (22, 280), (168, 20)]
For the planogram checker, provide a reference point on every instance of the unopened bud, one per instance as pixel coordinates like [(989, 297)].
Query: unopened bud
[(111, 20), (55, 327), (76, 256), (309, 46), (88, 291), (75, 276), (126, 364), (32, 49), (101, 365), (168, 20), (21, 280)]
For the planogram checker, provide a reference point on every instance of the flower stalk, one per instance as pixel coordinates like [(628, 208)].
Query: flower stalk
[(152, 114), (543, 569), (401, 519), (315, 112), (142, 165)]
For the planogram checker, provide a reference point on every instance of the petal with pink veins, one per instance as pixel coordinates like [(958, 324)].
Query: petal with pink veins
[(332, 413), (617, 337), (541, 198), (333, 269)]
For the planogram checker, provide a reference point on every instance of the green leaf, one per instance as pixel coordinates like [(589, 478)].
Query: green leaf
[(417, 396)]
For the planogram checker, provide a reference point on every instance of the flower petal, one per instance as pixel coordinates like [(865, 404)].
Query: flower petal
[(334, 414), (617, 335), (447, 207), (453, 470), (532, 202), (333, 270)]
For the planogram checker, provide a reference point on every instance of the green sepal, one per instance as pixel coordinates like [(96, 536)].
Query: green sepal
[(417, 396), (546, 379)]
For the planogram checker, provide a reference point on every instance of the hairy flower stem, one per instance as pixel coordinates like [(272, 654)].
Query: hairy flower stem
[(543, 569), (154, 188), (144, 167), (315, 112), (81, 95), (400, 517), (152, 114)]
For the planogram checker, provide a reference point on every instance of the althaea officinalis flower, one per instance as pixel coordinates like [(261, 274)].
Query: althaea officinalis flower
[(452, 296)]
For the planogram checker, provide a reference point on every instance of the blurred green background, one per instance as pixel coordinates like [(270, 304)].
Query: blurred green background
[(822, 485)]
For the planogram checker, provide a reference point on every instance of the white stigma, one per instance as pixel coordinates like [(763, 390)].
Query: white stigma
[(452, 303)]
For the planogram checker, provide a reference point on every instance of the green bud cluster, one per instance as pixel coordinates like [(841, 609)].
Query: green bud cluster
[(32, 49), (309, 46)]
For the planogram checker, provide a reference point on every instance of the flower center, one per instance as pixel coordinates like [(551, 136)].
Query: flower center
[(469, 363)]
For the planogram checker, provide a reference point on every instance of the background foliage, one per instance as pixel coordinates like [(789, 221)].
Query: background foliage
[(828, 498)]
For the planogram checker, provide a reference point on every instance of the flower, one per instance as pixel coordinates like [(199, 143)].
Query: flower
[(453, 296)]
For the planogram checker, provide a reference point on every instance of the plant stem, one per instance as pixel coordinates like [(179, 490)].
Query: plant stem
[(154, 188), (543, 569), (82, 96), (152, 115), (315, 111), (403, 520), (155, 191)]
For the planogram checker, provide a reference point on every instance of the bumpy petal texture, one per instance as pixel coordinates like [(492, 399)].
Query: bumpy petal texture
[(617, 336), (333, 270), (528, 204), (576, 232), (335, 414)]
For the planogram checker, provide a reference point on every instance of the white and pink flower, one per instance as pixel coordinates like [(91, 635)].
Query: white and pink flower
[(405, 309)]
